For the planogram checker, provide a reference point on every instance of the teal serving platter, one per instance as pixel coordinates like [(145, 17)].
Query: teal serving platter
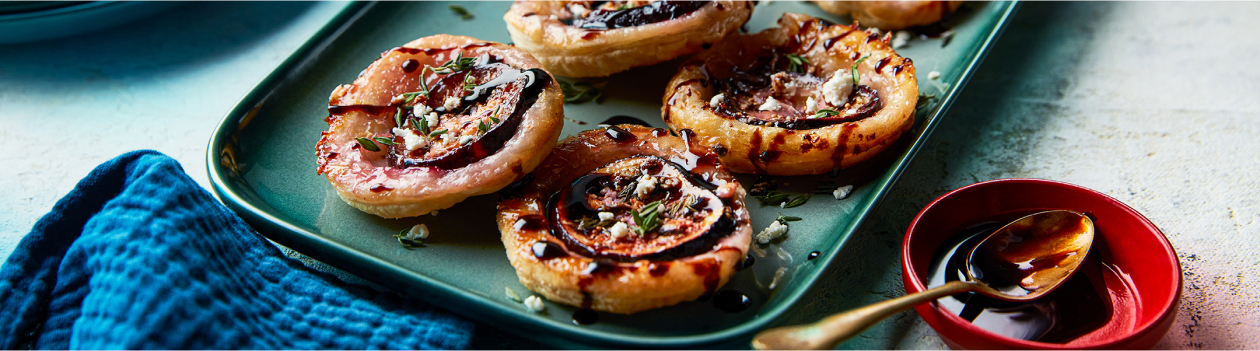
[(261, 162)]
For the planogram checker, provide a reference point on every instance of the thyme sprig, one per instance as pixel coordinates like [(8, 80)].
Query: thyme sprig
[(785, 219), (462, 12), (406, 242), (438, 132), (367, 144), (457, 64), (853, 69), (482, 127), (647, 218), (796, 63), (470, 82), (580, 92), (797, 201), (775, 198)]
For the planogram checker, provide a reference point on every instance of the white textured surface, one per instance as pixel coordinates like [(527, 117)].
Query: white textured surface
[(1152, 103)]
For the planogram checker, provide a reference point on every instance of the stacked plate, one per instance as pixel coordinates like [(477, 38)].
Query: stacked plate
[(26, 21)]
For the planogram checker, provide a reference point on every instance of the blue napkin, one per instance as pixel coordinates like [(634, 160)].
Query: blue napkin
[(138, 256)]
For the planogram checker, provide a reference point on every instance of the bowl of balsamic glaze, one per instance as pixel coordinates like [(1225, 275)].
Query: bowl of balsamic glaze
[(1124, 296)]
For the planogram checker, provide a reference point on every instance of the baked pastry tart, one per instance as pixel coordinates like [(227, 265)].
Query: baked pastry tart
[(891, 15), (599, 38), (624, 219), (804, 98), (436, 121)]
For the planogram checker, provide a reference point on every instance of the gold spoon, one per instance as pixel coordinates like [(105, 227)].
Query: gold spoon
[(1021, 261)]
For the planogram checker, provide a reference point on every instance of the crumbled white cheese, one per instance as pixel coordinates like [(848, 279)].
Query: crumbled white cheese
[(934, 75), (465, 139), (448, 137), (717, 99), (411, 140), (433, 213), (900, 39), (533, 303), (842, 192), (553, 17), (810, 106), (420, 110), (775, 230), (451, 103), (770, 105), (875, 31), (431, 119), (418, 232), (578, 10), (619, 230), (836, 90), (511, 294), (606, 216), (646, 185)]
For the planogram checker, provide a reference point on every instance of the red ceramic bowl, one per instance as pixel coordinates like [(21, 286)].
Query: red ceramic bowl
[(1149, 275)]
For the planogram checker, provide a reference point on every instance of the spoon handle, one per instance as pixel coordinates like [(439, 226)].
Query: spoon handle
[(830, 331)]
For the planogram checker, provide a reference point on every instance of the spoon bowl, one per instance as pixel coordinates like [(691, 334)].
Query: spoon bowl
[(1021, 261)]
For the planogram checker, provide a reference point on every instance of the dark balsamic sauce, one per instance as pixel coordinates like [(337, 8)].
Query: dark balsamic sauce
[(813, 255), (546, 250), (368, 109), (585, 316), (1078, 307), (410, 65), (746, 263), (731, 301), (879, 66), (620, 119), (533, 222), (619, 135)]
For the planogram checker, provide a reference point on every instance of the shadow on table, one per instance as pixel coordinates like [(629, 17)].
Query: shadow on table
[(1031, 66), (150, 48)]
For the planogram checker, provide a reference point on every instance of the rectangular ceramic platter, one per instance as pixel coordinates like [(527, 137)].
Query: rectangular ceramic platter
[(262, 163)]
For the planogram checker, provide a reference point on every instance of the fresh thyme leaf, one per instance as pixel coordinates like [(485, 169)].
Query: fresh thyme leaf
[(857, 79), (462, 12), (482, 127), (785, 219), (646, 218), (494, 120), (437, 132), (587, 222), (423, 126), (367, 144), (415, 123), (384, 140), (622, 7), (407, 243), (398, 118), (798, 200), (772, 198), (797, 63), (457, 64), (826, 113)]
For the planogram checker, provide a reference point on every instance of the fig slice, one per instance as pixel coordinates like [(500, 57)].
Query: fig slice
[(641, 207)]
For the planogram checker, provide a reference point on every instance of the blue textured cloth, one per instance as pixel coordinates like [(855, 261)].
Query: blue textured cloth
[(138, 256)]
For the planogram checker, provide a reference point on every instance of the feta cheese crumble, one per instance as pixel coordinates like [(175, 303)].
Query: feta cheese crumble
[(774, 231), (934, 75), (842, 192), (418, 232), (420, 110), (770, 105), (533, 303), (511, 294), (447, 137), (451, 103), (717, 99), (645, 186), (431, 119), (465, 139), (433, 213), (811, 106), (837, 89), (900, 39), (619, 230), (606, 216), (411, 140)]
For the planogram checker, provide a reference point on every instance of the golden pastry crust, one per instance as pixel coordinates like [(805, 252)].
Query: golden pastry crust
[(554, 265), (539, 27), (791, 142), (891, 15), (373, 181)]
